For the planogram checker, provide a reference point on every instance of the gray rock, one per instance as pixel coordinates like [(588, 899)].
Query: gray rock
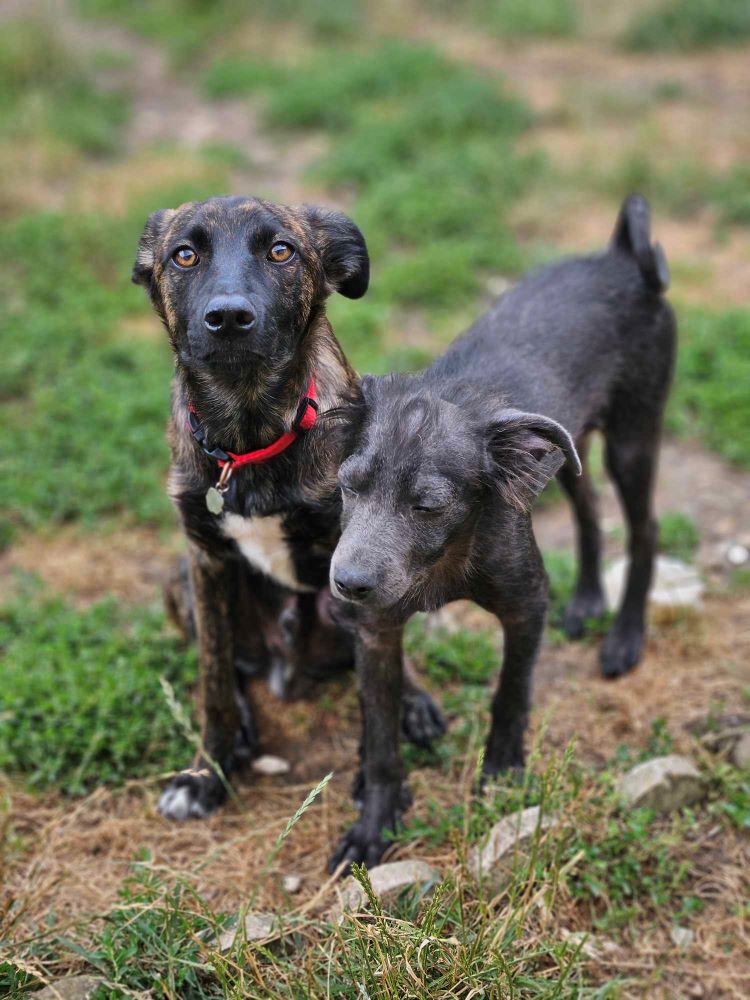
[(268, 764), (675, 584), (737, 554), (511, 833), (388, 881), (663, 784), (258, 927), (682, 936), (722, 734), (70, 988), (292, 883), (741, 752)]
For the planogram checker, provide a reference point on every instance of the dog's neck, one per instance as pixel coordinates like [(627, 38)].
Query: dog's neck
[(246, 409)]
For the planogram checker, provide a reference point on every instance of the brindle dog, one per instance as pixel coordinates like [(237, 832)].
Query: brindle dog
[(240, 285)]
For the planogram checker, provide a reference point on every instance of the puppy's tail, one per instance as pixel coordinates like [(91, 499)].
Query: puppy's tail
[(632, 236)]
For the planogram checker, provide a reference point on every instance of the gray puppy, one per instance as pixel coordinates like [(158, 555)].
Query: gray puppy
[(444, 467)]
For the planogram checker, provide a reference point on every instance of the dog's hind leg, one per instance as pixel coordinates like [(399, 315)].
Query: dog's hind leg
[(588, 597), (631, 455)]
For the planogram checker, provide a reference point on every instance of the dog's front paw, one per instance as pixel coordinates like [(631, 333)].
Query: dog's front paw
[(364, 842), (504, 754), (581, 609), (620, 651), (361, 844), (192, 794), (422, 722)]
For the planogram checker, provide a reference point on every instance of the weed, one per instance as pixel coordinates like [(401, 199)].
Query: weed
[(80, 703), (678, 535), (683, 25)]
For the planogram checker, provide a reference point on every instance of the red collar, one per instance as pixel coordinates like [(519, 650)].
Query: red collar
[(307, 414)]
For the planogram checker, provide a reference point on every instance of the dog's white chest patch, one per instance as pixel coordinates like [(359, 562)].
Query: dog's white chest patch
[(261, 541)]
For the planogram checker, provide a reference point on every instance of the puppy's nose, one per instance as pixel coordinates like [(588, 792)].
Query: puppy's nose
[(354, 584), (228, 315)]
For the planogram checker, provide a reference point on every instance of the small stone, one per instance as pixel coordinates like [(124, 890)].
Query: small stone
[(292, 883), (663, 784), (258, 927), (70, 988), (507, 835), (737, 554), (270, 765), (682, 937), (675, 584), (497, 284), (592, 946), (388, 882), (741, 752)]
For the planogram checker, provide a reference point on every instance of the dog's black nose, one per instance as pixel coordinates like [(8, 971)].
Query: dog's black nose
[(354, 584), (229, 314)]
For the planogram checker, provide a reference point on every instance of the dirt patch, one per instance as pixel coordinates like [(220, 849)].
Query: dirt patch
[(129, 565)]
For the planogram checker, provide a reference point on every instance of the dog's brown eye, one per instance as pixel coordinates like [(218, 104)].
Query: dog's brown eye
[(280, 253), (185, 257)]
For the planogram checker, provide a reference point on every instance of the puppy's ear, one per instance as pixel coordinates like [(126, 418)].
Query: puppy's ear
[(143, 269), (525, 452), (343, 250)]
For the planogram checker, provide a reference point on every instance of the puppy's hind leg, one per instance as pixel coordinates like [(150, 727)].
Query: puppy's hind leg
[(588, 597), (632, 460)]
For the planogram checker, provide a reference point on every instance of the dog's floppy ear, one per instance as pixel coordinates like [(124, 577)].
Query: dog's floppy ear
[(143, 268), (526, 450), (343, 251)]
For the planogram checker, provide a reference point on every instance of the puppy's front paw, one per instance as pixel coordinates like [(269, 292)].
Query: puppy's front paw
[(192, 794), (620, 651), (422, 722)]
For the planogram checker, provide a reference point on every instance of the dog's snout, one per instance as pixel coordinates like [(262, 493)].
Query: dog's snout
[(354, 584), (228, 315)]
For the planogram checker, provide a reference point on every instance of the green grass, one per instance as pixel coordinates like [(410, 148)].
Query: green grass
[(83, 405), (189, 28), (684, 25), (514, 19), (47, 91), (731, 195), (607, 869), (678, 535), (709, 395), (81, 704)]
